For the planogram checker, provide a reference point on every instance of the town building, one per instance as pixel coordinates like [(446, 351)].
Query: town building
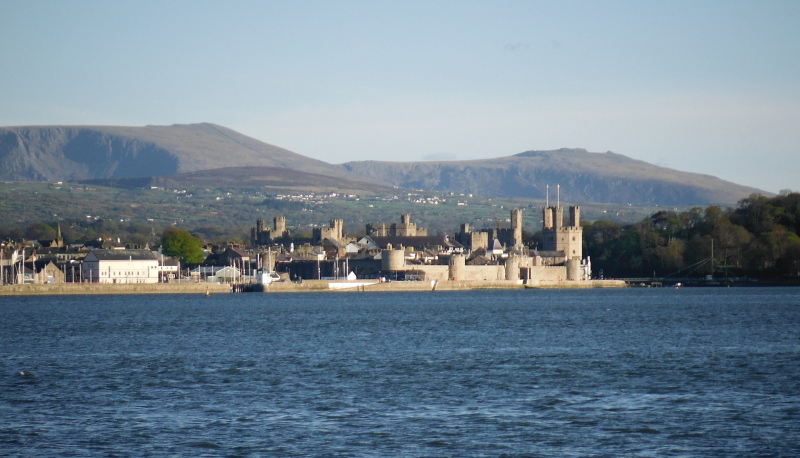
[(120, 266)]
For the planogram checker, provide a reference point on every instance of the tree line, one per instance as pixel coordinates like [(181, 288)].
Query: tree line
[(758, 238)]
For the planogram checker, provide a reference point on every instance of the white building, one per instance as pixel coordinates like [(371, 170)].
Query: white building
[(120, 266)]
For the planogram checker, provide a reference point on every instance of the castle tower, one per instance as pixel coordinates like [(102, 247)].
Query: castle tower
[(338, 228), (406, 227), (575, 216), (557, 237), (516, 226), (393, 260), (334, 231), (256, 232), (456, 267), (547, 216), (558, 217), (279, 223)]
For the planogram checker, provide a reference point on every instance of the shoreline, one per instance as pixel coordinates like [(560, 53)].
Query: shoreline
[(333, 286), (450, 285), (107, 288)]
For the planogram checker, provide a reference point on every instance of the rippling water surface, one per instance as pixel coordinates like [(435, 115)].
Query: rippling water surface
[(630, 372)]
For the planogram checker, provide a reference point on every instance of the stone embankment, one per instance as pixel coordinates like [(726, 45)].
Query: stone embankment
[(291, 287), (106, 288), (374, 285)]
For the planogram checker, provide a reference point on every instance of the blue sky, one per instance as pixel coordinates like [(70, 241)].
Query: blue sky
[(704, 86)]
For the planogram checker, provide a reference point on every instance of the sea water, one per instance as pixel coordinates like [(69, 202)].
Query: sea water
[(633, 372)]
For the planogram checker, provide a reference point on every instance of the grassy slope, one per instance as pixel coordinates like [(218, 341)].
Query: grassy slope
[(86, 152), (237, 208), (583, 176)]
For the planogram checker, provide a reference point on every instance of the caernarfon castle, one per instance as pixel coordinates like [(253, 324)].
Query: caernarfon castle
[(404, 251)]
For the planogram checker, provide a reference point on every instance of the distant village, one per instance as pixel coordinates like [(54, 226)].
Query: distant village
[(390, 251)]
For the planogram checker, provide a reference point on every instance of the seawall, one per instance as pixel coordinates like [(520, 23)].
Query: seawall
[(290, 287), (374, 285), (105, 288)]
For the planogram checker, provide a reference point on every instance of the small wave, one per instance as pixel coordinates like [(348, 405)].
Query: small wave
[(203, 444)]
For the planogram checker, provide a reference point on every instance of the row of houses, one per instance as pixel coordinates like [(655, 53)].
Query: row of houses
[(38, 266)]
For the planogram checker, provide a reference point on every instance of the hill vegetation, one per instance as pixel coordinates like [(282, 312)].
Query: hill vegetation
[(583, 177), (262, 179), (73, 153), (758, 239)]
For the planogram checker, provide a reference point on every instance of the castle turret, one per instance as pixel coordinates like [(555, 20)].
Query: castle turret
[(456, 267), (393, 260), (558, 217), (516, 226), (512, 268), (573, 269), (575, 216), (557, 237), (279, 223), (547, 217), (334, 231), (262, 235)]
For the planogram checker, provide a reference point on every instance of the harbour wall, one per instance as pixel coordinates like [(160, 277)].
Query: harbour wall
[(107, 288), (305, 286), (433, 285)]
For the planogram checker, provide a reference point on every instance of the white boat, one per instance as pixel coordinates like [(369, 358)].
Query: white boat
[(265, 277)]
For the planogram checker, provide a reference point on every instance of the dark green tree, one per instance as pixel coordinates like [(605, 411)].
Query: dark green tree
[(180, 243), (40, 231)]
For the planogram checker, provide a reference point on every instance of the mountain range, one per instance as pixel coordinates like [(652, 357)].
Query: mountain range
[(200, 152)]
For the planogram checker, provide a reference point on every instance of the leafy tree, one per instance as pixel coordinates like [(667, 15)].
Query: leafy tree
[(40, 231), (670, 256), (731, 241), (180, 243), (138, 240), (11, 233)]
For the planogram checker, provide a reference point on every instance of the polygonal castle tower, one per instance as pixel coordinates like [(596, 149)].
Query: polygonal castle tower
[(516, 226), (262, 235), (557, 237), (510, 237), (334, 231), (403, 229)]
